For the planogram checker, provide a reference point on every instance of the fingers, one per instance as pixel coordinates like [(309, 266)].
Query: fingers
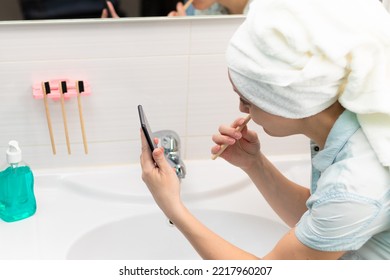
[(180, 10), (229, 135), (146, 157), (112, 10), (221, 139), (150, 160), (104, 13), (161, 161)]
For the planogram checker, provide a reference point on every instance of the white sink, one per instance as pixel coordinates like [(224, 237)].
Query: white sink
[(204, 179), (152, 237), (108, 213), (208, 184)]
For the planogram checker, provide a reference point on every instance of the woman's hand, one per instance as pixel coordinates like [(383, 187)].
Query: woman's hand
[(111, 11), (243, 147), (180, 11), (160, 178)]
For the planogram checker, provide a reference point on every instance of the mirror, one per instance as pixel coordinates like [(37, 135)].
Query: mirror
[(52, 9), (49, 9)]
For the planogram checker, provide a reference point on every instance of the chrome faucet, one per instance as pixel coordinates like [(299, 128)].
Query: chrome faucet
[(170, 141)]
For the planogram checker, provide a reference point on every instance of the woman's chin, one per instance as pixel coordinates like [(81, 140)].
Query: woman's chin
[(273, 133), (200, 6)]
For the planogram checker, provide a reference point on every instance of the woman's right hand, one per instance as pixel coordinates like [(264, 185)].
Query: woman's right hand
[(243, 147), (180, 11), (110, 12)]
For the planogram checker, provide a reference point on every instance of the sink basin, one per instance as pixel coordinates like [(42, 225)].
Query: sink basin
[(151, 237), (108, 213), (124, 183)]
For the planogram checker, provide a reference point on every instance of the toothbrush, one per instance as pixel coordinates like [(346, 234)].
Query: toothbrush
[(63, 89), (238, 129), (46, 91), (188, 4), (80, 89)]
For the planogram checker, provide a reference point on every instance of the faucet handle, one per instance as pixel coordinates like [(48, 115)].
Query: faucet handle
[(170, 141), (180, 171)]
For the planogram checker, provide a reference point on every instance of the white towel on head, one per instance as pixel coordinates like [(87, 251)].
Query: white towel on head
[(295, 58)]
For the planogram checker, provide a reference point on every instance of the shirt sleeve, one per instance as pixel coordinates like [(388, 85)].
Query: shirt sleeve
[(337, 222)]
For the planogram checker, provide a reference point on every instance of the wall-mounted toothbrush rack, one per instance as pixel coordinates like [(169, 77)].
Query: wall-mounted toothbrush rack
[(62, 89), (55, 88)]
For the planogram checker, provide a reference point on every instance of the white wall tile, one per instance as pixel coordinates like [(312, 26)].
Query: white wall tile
[(118, 86), (174, 67), (211, 35), (212, 100), (92, 39)]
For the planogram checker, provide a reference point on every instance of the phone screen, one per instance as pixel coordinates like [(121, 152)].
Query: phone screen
[(146, 128)]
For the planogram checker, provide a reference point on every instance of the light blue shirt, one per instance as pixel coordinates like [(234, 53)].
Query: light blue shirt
[(349, 206), (190, 11), (218, 9), (215, 9)]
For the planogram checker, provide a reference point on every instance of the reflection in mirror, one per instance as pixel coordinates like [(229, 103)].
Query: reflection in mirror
[(10, 10), (64, 9), (220, 7), (152, 8), (68, 9), (212, 7)]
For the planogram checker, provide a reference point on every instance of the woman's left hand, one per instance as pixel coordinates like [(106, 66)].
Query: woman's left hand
[(160, 178), (110, 12), (180, 11)]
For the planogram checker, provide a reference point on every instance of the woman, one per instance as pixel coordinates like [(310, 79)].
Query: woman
[(321, 69), (202, 7), (214, 7)]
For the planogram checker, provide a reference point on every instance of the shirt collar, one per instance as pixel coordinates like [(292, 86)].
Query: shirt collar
[(344, 127)]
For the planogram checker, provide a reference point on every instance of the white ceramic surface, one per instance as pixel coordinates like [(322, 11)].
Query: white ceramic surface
[(152, 237), (107, 213), (124, 183)]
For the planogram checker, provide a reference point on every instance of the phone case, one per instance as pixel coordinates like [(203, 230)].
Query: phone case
[(146, 128)]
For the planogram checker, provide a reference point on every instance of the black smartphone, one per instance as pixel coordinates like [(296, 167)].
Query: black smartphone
[(146, 128)]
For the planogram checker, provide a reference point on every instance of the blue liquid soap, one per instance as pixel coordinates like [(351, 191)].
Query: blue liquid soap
[(17, 199)]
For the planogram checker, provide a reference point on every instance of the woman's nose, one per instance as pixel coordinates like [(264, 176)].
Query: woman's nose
[(243, 108)]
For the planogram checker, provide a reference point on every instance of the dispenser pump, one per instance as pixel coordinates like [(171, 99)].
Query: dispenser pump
[(14, 153)]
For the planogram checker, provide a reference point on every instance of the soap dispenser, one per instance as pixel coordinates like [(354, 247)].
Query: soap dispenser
[(17, 199)]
